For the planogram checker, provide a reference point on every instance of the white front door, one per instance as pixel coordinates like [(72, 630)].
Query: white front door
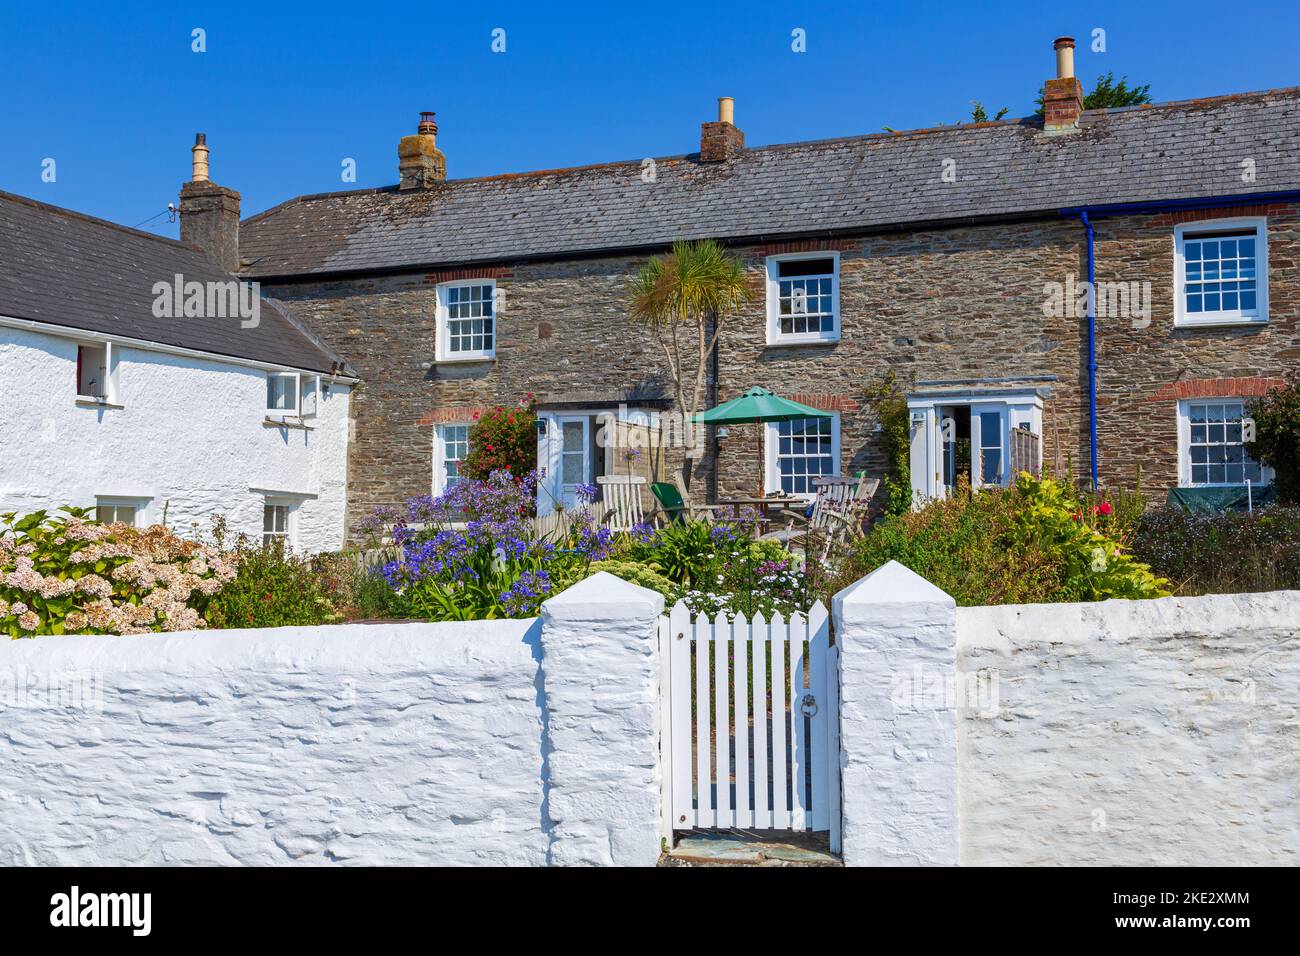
[(990, 463), (568, 460)]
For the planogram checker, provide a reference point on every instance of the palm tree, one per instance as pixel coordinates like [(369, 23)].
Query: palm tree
[(686, 295)]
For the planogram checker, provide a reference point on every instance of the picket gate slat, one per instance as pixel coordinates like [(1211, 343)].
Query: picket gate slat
[(722, 723), (762, 803), (748, 745), (741, 642), (705, 814), (680, 634)]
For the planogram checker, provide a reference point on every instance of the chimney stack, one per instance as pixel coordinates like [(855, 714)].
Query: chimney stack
[(721, 141), (1063, 94), (209, 213), (420, 163)]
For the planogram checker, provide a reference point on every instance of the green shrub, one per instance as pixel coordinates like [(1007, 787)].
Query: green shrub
[(502, 439), (1225, 553), (1037, 541), (357, 591), (888, 403), (68, 574), (273, 587), (1277, 439)]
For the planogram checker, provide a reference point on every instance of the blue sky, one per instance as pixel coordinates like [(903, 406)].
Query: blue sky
[(114, 94)]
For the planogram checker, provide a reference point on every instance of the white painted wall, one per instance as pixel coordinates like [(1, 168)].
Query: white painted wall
[(190, 434), (1128, 733), (358, 744)]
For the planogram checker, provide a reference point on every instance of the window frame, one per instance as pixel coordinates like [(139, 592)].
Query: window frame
[(1190, 230), (111, 363), (774, 334), (279, 413), (440, 483), (772, 462), (442, 334), (140, 506), (1183, 412), (290, 533)]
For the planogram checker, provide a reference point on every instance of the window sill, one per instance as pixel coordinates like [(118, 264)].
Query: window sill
[(269, 422), (800, 343), (1225, 323), (465, 360), (84, 402)]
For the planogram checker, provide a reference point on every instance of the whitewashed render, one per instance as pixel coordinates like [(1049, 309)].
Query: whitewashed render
[(183, 431)]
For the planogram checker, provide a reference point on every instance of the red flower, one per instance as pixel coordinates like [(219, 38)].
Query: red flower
[(1104, 508)]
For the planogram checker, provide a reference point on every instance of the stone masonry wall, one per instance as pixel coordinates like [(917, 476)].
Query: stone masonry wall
[(960, 305)]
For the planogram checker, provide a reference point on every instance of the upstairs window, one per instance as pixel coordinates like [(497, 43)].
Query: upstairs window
[(466, 320), (97, 373), (281, 394), (803, 293), (1221, 273)]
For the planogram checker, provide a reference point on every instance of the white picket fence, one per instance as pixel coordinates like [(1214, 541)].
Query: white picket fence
[(751, 723)]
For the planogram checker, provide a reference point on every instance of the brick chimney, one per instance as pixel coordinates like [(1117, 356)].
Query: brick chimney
[(1063, 95), (210, 213), (721, 140), (419, 161)]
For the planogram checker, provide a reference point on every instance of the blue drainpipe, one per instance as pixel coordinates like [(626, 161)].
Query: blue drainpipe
[(1092, 344)]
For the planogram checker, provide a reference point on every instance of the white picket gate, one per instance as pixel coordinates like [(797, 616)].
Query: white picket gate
[(750, 714)]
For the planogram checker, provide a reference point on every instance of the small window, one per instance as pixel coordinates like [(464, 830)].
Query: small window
[(800, 452), (1221, 273), (1214, 452), (275, 523), (281, 394), (113, 513), (451, 447), (96, 372), (466, 320), (309, 395), (803, 298)]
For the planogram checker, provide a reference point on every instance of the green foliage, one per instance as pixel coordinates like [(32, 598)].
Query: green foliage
[(68, 574), (1108, 94), (273, 587), (1277, 438), (888, 401), (1037, 541), (682, 551), (631, 571), (1222, 553), (503, 439), (979, 114)]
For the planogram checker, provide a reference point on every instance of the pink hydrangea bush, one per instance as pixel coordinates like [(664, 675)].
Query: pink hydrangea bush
[(67, 574)]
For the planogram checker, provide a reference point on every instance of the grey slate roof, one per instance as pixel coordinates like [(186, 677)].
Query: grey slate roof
[(1170, 151), (63, 268)]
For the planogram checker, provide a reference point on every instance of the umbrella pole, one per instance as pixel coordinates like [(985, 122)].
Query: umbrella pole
[(762, 465)]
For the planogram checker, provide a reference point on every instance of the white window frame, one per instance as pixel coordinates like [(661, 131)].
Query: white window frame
[(111, 363), (295, 392), (771, 456), (140, 504), (308, 388), (774, 334), (1191, 230), (443, 335), (440, 453), (290, 518), (1185, 445)]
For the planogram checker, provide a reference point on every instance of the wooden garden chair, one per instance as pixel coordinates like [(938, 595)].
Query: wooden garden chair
[(621, 498)]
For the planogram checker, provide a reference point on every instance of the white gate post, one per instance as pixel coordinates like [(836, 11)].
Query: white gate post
[(897, 635), (600, 672)]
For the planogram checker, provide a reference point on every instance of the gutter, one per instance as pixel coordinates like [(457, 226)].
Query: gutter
[(1085, 214)]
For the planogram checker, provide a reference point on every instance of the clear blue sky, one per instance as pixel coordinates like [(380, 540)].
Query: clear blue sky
[(113, 92)]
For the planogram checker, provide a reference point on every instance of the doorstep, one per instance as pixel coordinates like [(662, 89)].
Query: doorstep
[(751, 848)]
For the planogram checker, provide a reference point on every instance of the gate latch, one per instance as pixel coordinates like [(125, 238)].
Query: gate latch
[(808, 706)]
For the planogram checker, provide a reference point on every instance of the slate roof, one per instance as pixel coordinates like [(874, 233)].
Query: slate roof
[(63, 268), (1190, 149)]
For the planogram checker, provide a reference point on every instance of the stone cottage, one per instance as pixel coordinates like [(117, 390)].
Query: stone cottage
[(957, 257)]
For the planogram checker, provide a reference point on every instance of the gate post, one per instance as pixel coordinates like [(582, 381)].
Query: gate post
[(600, 685), (897, 635)]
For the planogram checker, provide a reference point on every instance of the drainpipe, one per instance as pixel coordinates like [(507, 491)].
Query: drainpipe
[(1092, 343)]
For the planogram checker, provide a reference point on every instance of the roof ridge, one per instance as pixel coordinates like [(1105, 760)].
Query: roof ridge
[(884, 135)]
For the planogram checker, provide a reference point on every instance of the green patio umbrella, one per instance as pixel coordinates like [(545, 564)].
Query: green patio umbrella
[(758, 405)]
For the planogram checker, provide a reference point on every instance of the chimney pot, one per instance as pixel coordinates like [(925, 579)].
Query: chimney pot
[(727, 110), (1064, 47), (199, 159)]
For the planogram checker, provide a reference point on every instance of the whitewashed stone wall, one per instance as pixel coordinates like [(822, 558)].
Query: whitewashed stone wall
[(356, 744), (190, 436), (1161, 732)]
